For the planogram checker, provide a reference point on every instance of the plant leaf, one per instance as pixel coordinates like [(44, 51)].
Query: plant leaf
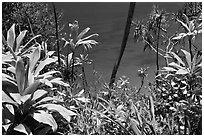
[(46, 118), (177, 58), (7, 99), (134, 125), (19, 39), (168, 69), (46, 99), (175, 65), (35, 56), (59, 81), (182, 72), (83, 33), (152, 110), (185, 26), (188, 57), (22, 128), (58, 108), (20, 75), (69, 59), (32, 88), (38, 93), (43, 64), (26, 47), (11, 37)]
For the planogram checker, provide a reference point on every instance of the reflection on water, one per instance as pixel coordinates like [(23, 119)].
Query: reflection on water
[(108, 20)]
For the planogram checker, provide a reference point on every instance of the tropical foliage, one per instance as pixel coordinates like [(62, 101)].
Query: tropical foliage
[(40, 97)]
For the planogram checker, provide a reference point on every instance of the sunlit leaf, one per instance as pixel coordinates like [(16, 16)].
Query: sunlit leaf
[(83, 99), (22, 128), (44, 100), (168, 69), (83, 33), (11, 69), (43, 64), (175, 65), (180, 36), (7, 99), (59, 81), (182, 71), (19, 39), (58, 108), (11, 36), (46, 82), (89, 37), (38, 93), (20, 75), (46, 118)]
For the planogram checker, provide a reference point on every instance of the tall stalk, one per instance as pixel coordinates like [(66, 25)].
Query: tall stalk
[(190, 48), (124, 42), (56, 33), (158, 34)]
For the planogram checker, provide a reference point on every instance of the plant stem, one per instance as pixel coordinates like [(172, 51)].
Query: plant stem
[(157, 59), (190, 48), (56, 33), (124, 42), (72, 76)]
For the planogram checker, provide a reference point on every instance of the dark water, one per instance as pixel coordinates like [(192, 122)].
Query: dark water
[(108, 20)]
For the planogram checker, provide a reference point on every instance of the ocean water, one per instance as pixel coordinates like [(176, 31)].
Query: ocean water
[(109, 20)]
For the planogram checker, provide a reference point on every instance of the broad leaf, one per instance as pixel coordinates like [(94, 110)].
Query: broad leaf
[(11, 69), (58, 108), (44, 100), (22, 128), (38, 93), (11, 36), (19, 39), (46, 118), (35, 56), (32, 88), (43, 64), (20, 75), (134, 125), (7, 99)]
